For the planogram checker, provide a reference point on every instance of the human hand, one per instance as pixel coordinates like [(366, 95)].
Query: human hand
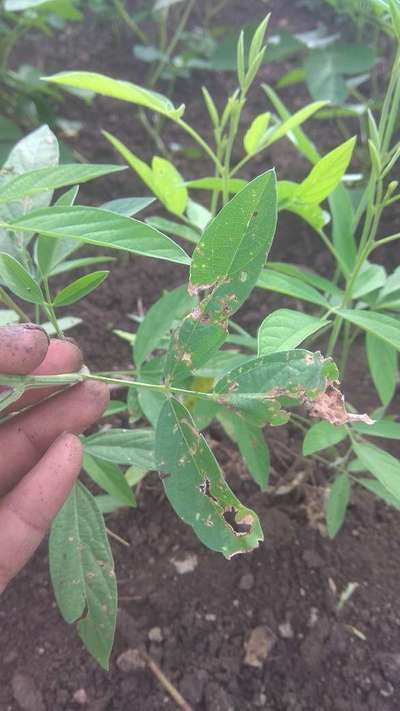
[(40, 454)]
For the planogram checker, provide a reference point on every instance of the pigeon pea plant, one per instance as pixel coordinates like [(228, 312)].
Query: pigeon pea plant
[(192, 363), (183, 377)]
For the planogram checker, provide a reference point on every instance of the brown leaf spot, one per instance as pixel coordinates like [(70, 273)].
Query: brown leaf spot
[(242, 527)]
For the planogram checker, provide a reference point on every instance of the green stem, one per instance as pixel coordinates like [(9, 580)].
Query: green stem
[(50, 310), (196, 137), (174, 41), (129, 21), (382, 242), (8, 301)]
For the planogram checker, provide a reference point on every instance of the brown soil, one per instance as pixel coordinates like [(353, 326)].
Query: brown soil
[(321, 658)]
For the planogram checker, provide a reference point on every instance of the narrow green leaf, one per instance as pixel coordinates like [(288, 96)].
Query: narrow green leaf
[(144, 172), (285, 329), (122, 447), (285, 284), (127, 206), (79, 288), (322, 435), (71, 264), (101, 227), (234, 184), (19, 281), (382, 465), (122, 90), (390, 429), (382, 363), (110, 478), (336, 504), (251, 443), (384, 327), (326, 174), (174, 228), (296, 135), (342, 226), (376, 488), (196, 488), (82, 572), (44, 179), (169, 186), (159, 319), (253, 138), (294, 121)]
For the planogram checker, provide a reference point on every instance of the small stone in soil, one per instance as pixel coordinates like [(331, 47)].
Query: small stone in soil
[(26, 694), (185, 565), (246, 581), (390, 666), (155, 634), (80, 697), (259, 645), (286, 630), (130, 660)]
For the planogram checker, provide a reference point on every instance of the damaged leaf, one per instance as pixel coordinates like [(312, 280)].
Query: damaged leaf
[(225, 265), (330, 406), (195, 486), (263, 387), (82, 572)]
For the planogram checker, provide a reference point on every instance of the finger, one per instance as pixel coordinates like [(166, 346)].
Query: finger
[(61, 357), (26, 512), (26, 437), (22, 348)]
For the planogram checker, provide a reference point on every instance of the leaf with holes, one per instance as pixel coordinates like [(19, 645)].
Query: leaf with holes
[(195, 486), (262, 387)]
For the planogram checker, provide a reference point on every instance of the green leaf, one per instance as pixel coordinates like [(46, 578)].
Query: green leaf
[(390, 429), (122, 90), (285, 284), (342, 226), (196, 488), (19, 281), (7, 316), (382, 465), (227, 262), (127, 206), (169, 185), (65, 324), (174, 228), (296, 135), (144, 171), (307, 276), (71, 264), (336, 504), (294, 121), (116, 406), (251, 443), (234, 184), (159, 319), (322, 79), (310, 212), (380, 325), (326, 174), (263, 385), (82, 572), (235, 245), (382, 362), (376, 488), (101, 227), (110, 478), (122, 447), (322, 435), (79, 288), (285, 329), (370, 278), (46, 179), (255, 134)]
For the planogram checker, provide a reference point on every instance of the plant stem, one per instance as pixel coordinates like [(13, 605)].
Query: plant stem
[(196, 137), (50, 310), (8, 301), (129, 21), (174, 41)]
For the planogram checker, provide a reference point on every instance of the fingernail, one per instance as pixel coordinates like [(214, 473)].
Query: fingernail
[(34, 327)]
